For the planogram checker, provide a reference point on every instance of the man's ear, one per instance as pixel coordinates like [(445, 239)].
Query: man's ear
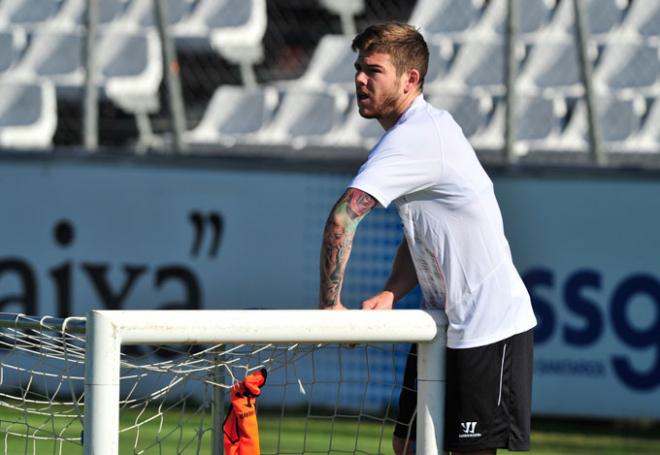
[(413, 80)]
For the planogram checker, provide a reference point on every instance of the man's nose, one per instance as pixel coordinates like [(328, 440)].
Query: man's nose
[(360, 78)]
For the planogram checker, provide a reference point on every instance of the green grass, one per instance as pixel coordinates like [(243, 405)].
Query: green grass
[(294, 435)]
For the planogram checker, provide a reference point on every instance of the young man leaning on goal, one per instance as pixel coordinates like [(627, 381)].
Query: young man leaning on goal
[(454, 247)]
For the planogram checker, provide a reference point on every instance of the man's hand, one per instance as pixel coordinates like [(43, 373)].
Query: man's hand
[(381, 301)]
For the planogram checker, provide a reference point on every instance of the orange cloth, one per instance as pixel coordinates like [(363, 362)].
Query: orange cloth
[(240, 427)]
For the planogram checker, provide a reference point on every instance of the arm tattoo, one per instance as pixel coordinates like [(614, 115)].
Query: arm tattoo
[(338, 241)]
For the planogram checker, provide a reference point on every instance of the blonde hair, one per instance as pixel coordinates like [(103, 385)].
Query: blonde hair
[(402, 42)]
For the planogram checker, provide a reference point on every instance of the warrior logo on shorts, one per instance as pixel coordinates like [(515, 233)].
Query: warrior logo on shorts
[(469, 430)]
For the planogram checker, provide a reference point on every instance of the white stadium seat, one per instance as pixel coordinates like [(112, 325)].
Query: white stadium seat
[(552, 66), (28, 114), (72, 13), (534, 16), (470, 110), (643, 19), (234, 113), (629, 66), (142, 13), (447, 17), (538, 122), (356, 131), (28, 14), (620, 121), (12, 43), (347, 10), (648, 138), (479, 62), (602, 16), (305, 117), (332, 63), (233, 28), (54, 55)]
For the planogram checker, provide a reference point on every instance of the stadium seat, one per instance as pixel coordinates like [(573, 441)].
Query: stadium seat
[(538, 127), (54, 55), (552, 66), (478, 63), (471, 111), (12, 43), (234, 113), (648, 138), (347, 10), (72, 13), (142, 14), (234, 28), (603, 17), (620, 122), (28, 14), (356, 131), (643, 19), (629, 66), (305, 117), (447, 17), (332, 63), (28, 114), (534, 16)]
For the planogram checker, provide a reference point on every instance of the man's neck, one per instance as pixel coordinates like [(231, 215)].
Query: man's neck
[(390, 120)]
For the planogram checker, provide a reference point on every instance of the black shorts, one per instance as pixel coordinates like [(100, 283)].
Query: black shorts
[(488, 396)]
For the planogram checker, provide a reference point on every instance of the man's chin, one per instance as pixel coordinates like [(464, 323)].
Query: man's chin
[(364, 113)]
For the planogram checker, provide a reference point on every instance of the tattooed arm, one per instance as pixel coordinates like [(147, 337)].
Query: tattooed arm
[(338, 241)]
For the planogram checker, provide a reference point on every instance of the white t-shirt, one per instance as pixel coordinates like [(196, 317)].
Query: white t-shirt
[(452, 223)]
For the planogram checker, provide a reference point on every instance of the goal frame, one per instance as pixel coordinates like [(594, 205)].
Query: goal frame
[(108, 330)]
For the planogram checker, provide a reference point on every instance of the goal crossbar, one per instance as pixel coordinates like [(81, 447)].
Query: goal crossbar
[(108, 330)]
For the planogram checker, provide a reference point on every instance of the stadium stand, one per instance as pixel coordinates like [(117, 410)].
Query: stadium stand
[(129, 73), (27, 114), (266, 61), (233, 113)]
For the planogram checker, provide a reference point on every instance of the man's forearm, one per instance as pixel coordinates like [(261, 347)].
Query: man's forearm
[(403, 277), (338, 242)]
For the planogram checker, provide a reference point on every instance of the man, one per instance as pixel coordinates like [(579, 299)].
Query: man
[(454, 247)]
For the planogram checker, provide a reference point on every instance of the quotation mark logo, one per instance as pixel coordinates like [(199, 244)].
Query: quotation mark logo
[(200, 222)]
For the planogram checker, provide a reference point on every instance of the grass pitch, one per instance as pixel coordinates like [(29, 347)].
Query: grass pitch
[(179, 434)]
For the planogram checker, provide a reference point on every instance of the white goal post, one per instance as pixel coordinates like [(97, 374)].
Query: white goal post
[(108, 331)]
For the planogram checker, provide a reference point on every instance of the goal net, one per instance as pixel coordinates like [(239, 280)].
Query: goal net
[(329, 397)]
